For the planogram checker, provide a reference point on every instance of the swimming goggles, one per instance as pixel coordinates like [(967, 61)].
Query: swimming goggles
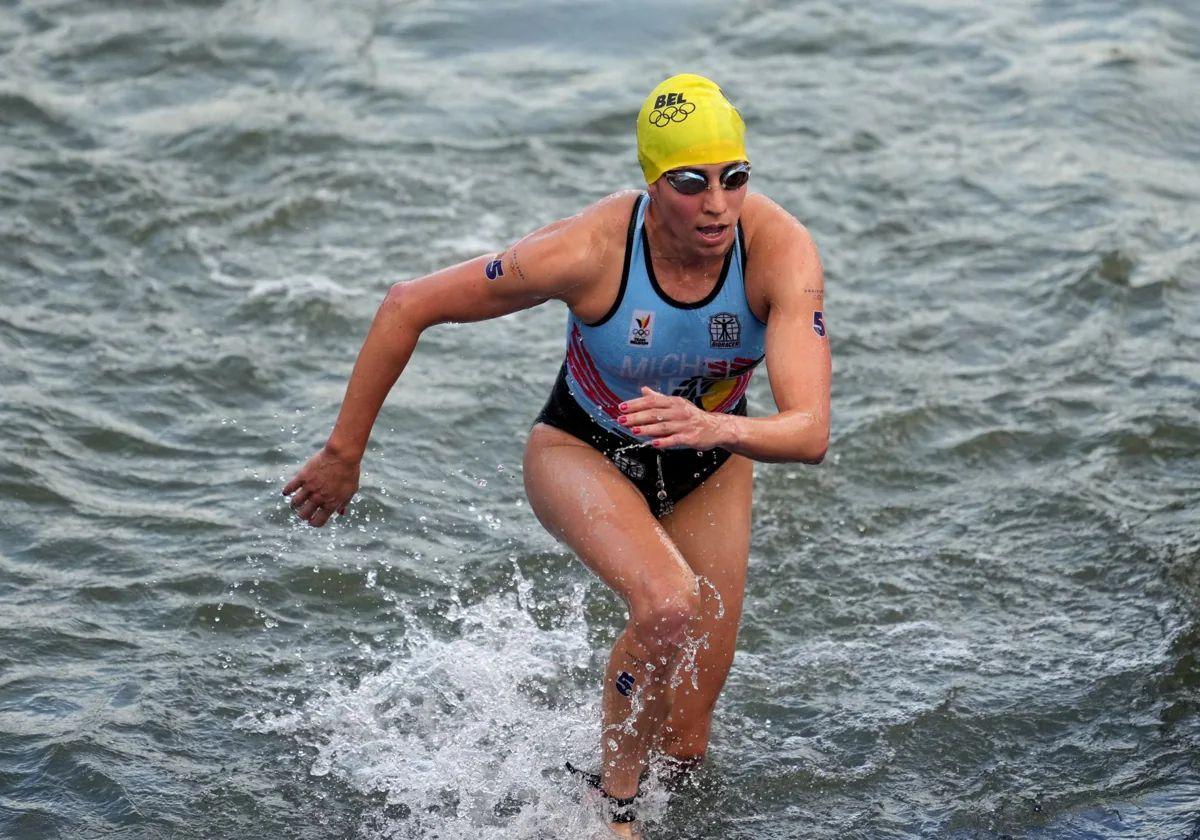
[(693, 182)]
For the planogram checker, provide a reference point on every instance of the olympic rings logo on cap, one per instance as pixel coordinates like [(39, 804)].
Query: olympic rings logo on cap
[(672, 113)]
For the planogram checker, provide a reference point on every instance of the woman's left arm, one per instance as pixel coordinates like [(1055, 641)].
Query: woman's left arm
[(798, 363), (788, 270)]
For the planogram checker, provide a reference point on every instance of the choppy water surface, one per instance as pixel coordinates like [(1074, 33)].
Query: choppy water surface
[(976, 620)]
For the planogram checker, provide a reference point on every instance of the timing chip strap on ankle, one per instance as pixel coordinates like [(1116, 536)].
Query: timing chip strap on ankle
[(622, 807)]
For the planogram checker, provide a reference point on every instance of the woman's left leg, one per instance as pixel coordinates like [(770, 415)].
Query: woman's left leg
[(711, 528)]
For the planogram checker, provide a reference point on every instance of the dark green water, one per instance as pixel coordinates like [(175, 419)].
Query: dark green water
[(977, 619)]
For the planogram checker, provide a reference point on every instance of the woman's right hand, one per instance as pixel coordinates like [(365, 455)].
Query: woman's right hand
[(324, 484)]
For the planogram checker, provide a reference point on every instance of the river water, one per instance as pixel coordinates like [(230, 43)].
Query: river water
[(977, 619)]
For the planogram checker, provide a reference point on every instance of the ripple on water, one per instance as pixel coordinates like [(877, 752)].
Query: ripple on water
[(312, 300), (58, 421), (75, 639), (89, 773), (33, 123)]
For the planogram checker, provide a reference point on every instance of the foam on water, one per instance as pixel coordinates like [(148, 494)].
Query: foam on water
[(465, 736)]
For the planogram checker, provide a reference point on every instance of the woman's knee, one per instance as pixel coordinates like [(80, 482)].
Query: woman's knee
[(664, 619)]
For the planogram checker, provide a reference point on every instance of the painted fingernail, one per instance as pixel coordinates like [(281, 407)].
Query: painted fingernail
[(637, 430), (656, 443), (623, 406), (622, 418)]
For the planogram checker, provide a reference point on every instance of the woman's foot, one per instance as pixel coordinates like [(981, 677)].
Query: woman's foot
[(619, 811)]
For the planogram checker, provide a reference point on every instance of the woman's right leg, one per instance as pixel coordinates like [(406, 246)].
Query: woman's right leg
[(585, 502)]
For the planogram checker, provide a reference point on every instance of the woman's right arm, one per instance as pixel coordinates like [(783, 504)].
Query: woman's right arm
[(561, 260)]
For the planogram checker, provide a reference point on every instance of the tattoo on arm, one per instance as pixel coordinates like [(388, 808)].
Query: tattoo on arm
[(817, 293), (517, 266)]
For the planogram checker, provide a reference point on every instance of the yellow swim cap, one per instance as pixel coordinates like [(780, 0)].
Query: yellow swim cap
[(687, 121)]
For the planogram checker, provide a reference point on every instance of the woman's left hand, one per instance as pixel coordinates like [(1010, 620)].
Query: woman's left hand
[(674, 421)]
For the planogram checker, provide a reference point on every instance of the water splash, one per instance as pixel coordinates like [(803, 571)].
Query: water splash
[(464, 736)]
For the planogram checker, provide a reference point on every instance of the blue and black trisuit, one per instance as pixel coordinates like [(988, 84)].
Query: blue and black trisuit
[(704, 351)]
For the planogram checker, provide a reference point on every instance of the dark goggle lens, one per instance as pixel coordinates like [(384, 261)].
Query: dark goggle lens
[(690, 182), (735, 177), (687, 182)]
